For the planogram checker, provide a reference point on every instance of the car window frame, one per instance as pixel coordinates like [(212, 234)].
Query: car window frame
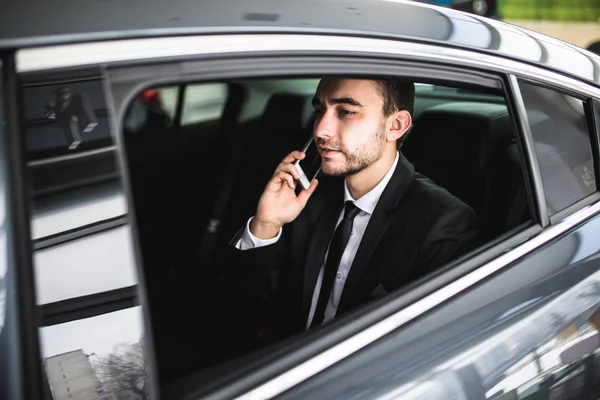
[(90, 305), (594, 106), (205, 71), (19, 343), (592, 125)]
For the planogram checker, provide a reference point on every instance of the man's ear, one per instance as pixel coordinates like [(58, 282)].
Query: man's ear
[(401, 121)]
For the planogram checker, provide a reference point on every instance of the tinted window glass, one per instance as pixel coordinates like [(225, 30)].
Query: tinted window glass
[(562, 144), (62, 118), (203, 102)]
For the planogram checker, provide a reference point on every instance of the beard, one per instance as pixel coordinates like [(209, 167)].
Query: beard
[(354, 162)]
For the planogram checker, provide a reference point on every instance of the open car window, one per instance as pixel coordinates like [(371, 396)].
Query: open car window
[(193, 188)]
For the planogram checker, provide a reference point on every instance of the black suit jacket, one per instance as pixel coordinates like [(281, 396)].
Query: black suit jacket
[(416, 227)]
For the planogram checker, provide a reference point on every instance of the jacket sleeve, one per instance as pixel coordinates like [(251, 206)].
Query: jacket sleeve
[(453, 233), (254, 272)]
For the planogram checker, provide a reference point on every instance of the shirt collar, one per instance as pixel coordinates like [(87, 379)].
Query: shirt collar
[(368, 202)]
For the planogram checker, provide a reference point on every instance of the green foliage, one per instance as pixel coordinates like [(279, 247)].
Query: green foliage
[(553, 10)]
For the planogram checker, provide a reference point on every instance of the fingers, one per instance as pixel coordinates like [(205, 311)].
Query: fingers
[(293, 156), (287, 165), (304, 195), (288, 168), (285, 177)]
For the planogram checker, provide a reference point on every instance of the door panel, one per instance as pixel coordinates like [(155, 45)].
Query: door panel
[(530, 328)]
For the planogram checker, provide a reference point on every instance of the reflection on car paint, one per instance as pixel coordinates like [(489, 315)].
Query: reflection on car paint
[(93, 264), (100, 356), (474, 33), (3, 250), (553, 350), (76, 208), (496, 338)]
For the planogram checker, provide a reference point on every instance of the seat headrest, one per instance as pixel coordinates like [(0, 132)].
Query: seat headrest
[(287, 111), (463, 132)]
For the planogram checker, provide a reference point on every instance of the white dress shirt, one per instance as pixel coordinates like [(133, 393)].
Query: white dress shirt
[(366, 204)]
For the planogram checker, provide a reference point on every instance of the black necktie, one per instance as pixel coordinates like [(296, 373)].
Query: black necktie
[(336, 249)]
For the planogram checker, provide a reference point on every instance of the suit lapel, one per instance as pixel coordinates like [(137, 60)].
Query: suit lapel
[(377, 227), (321, 236)]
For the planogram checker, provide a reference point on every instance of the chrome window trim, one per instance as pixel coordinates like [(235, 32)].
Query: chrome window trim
[(529, 153), (566, 212), (79, 232), (74, 156), (320, 362), (118, 51)]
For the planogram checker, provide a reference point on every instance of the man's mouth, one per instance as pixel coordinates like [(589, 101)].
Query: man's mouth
[(328, 151), (328, 148)]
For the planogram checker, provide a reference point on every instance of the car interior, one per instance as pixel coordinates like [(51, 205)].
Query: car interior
[(196, 159), (194, 185)]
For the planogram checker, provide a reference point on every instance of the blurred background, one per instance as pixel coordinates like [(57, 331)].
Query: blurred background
[(574, 21)]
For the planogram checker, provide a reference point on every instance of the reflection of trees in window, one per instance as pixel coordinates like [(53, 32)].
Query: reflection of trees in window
[(123, 372)]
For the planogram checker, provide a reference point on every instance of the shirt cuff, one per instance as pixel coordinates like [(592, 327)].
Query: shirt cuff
[(249, 241)]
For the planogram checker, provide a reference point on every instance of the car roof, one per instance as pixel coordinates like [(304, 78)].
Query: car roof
[(29, 23)]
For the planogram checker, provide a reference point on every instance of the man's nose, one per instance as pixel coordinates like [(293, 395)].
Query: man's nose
[(324, 126)]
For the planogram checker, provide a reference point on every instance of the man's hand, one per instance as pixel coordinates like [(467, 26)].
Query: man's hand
[(278, 204)]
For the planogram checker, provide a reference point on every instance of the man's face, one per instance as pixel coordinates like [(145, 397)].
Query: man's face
[(350, 128)]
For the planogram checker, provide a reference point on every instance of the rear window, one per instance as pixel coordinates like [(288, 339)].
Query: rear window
[(562, 144)]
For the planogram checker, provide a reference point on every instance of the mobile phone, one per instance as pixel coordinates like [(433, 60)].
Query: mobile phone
[(309, 167)]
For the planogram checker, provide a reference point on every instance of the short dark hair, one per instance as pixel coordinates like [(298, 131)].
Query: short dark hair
[(397, 95)]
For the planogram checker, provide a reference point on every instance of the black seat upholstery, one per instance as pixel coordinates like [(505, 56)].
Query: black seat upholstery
[(173, 171), (469, 148), (451, 144), (261, 146), (283, 127), (507, 203)]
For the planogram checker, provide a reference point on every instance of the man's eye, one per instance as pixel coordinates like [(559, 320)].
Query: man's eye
[(347, 112), (318, 112)]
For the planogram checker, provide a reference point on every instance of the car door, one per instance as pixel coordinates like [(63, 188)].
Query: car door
[(307, 360), (530, 329), (124, 85)]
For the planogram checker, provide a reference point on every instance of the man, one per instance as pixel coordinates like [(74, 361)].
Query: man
[(372, 224)]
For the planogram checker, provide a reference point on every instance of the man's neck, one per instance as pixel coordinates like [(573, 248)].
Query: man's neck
[(363, 182)]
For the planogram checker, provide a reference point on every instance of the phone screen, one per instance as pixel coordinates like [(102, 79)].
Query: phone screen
[(312, 162)]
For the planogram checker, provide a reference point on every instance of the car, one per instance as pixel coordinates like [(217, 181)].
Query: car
[(135, 142)]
